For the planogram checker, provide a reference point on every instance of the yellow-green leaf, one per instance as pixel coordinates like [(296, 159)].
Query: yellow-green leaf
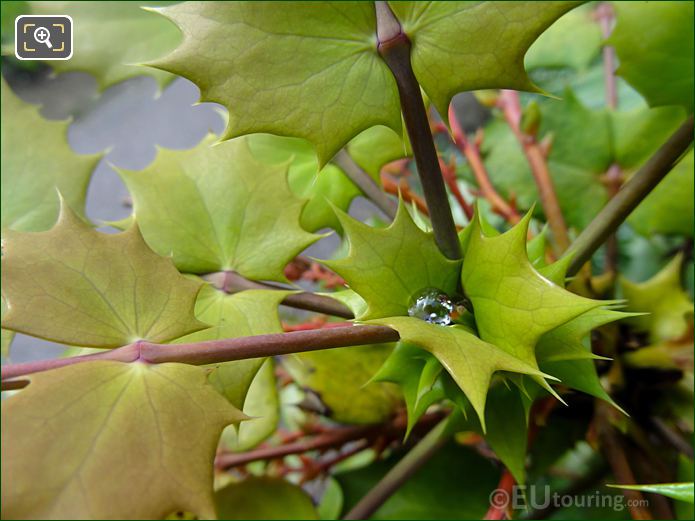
[(37, 162), (388, 266), (108, 440), (77, 286), (216, 208)]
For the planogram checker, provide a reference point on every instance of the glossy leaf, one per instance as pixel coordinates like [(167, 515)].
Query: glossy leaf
[(112, 39), (108, 432), (469, 360), (31, 174), (388, 266), (264, 498), (663, 300), (77, 286), (654, 43), (312, 71), (216, 208), (377, 146), (514, 304)]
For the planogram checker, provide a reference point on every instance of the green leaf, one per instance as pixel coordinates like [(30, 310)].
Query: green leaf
[(7, 335), (473, 58), (663, 299), (31, 175), (111, 39), (469, 360), (666, 209), (417, 374), (514, 304), (216, 208), (264, 498), (77, 286), (339, 378), (573, 41), (251, 312), (678, 491), (377, 146), (261, 405), (654, 44), (585, 144), (323, 189), (313, 71), (387, 266), (112, 440)]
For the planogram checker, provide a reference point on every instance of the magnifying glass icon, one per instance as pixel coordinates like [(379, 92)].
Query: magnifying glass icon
[(43, 35)]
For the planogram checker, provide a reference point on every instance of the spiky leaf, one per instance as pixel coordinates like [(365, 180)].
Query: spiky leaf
[(129, 441), (77, 286), (388, 266), (216, 208), (33, 174)]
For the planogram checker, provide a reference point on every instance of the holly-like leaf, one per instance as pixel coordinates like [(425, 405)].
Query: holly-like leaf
[(251, 312), (323, 189), (388, 266), (485, 43), (339, 378), (112, 440), (313, 71), (96, 28), (664, 301), (264, 498), (77, 286), (654, 44), (417, 374), (514, 304), (216, 208), (377, 146), (469, 360), (32, 175)]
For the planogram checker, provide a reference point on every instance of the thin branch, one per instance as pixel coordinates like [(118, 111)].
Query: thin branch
[(449, 173), (630, 195), (366, 183), (326, 440), (471, 151), (223, 350), (232, 282), (404, 469), (394, 48), (510, 105), (402, 189)]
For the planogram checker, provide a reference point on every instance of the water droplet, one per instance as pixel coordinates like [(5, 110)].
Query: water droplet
[(432, 305)]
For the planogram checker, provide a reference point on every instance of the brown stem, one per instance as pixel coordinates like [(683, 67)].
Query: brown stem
[(224, 350), (334, 438), (472, 153), (232, 282), (509, 102), (449, 173), (402, 189), (394, 48)]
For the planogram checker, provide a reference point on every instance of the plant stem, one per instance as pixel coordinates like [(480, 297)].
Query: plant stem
[(394, 48), (333, 438), (509, 102), (629, 196), (472, 153), (223, 350), (404, 469), (232, 282), (366, 183)]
